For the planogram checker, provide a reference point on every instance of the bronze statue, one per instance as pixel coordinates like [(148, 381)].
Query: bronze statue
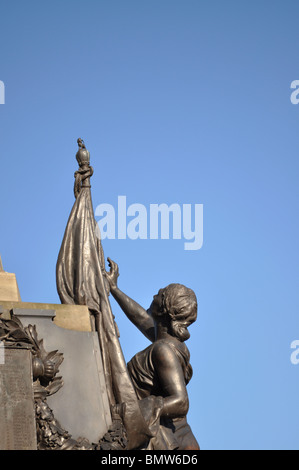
[(161, 372), (149, 394)]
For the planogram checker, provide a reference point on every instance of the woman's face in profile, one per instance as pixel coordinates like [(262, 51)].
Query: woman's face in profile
[(155, 307)]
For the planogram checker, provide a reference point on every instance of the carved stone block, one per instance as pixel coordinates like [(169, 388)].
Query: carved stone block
[(81, 406), (17, 411)]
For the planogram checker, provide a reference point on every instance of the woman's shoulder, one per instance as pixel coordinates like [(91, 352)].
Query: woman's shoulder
[(163, 356), (172, 353), (167, 349), (161, 345)]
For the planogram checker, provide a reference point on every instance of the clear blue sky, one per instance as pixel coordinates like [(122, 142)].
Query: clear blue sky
[(178, 102)]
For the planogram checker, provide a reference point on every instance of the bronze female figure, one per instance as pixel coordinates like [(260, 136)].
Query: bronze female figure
[(161, 372)]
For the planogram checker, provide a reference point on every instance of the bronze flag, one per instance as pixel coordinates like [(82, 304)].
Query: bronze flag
[(80, 277)]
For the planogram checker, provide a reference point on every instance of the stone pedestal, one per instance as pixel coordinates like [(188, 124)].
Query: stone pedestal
[(81, 405)]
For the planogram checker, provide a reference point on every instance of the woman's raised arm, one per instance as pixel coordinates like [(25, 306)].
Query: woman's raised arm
[(136, 314)]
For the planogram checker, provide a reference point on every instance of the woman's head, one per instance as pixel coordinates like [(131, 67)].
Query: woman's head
[(176, 304)]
